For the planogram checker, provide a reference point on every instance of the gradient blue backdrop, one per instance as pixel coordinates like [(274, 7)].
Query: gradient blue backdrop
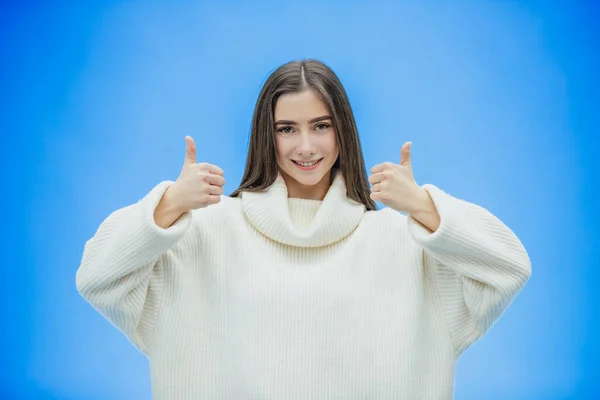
[(500, 99)]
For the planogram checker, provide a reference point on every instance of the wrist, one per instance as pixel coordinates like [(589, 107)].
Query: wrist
[(425, 211), (169, 200), (168, 210), (422, 203)]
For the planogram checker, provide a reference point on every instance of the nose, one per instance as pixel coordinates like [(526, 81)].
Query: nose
[(305, 147)]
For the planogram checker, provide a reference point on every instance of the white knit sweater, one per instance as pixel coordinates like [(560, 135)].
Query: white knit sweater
[(270, 297)]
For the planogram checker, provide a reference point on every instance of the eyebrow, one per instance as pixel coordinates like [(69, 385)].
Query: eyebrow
[(321, 118)]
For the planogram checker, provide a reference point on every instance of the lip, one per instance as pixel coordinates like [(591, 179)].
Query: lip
[(308, 168)]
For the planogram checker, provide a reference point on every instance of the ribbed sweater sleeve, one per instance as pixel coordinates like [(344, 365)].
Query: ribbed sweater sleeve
[(479, 265), (120, 273)]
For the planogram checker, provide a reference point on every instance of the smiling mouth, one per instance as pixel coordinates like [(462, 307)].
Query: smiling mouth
[(307, 164)]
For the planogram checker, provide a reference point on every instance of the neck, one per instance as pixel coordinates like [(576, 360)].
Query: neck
[(303, 223), (308, 192)]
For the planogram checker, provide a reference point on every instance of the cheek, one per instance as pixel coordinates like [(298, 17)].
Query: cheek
[(279, 148), (332, 145), (282, 150)]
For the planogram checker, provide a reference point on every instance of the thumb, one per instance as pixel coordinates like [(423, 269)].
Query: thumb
[(190, 151), (405, 154)]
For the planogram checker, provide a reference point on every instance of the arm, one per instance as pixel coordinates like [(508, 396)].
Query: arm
[(121, 272), (479, 265)]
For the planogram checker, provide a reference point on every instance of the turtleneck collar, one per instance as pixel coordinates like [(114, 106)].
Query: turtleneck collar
[(313, 223)]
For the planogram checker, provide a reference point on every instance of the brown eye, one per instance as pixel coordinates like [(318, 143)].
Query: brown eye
[(283, 129), (323, 126)]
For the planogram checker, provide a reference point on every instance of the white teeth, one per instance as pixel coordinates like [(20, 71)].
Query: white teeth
[(310, 164)]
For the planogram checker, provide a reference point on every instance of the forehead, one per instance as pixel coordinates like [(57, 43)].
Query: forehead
[(300, 106)]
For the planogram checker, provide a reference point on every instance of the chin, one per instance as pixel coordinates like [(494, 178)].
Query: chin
[(307, 179)]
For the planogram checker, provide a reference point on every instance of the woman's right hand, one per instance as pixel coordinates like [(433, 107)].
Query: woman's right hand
[(198, 185)]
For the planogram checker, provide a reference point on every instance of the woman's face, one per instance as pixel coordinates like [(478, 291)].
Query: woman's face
[(304, 134)]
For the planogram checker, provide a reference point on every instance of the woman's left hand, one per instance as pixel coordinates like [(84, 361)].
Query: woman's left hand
[(394, 185)]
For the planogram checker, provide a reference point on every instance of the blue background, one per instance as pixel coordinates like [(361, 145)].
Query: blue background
[(500, 99)]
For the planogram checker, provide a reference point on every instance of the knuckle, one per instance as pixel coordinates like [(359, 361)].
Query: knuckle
[(204, 167), (204, 176)]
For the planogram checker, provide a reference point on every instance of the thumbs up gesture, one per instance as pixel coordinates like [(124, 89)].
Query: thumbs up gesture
[(394, 185), (198, 185)]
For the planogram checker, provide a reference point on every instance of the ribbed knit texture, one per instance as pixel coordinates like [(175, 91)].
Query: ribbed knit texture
[(270, 297)]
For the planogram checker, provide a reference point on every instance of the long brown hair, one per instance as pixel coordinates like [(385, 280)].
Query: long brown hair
[(293, 77)]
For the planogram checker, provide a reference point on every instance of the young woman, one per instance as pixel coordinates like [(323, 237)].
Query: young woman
[(295, 286)]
